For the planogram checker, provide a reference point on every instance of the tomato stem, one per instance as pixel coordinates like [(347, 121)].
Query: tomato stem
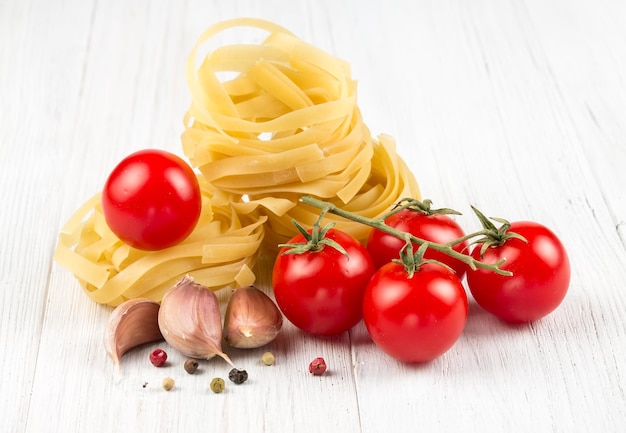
[(379, 223)]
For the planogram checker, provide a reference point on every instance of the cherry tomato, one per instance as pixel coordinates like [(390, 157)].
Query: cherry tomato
[(152, 200), (435, 227), (321, 291), (415, 319), (541, 275)]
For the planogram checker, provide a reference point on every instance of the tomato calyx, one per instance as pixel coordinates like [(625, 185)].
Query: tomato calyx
[(492, 235), (315, 239), (421, 206), (412, 262)]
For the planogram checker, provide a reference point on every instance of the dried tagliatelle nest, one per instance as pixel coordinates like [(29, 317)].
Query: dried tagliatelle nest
[(220, 252), (278, 119)]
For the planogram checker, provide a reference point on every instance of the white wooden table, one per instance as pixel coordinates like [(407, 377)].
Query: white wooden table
[(515, 106)]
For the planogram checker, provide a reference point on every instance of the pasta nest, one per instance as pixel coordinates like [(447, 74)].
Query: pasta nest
[(271, 121), (220, 252)]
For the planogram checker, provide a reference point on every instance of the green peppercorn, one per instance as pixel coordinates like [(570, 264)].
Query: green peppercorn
[(217, 385), (191, 365), (238, 376)]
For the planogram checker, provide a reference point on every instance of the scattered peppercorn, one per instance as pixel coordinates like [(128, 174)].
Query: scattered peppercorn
[(158, 357), (217, 385), (317, 366), (168, 383), (268, 358), (191, 365), (238, 376)]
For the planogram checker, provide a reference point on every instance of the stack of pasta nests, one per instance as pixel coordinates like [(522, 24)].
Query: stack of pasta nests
[(286, 123)]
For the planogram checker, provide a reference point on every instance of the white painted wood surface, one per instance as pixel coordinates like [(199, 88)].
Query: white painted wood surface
[(516, 106)]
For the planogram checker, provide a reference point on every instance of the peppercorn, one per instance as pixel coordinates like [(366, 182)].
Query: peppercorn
[(168, 383), (191, 365), (158, 357), (217, 385), (238, 376), (317, 366), (268, 358)]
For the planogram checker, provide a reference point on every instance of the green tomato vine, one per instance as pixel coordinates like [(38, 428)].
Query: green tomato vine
[(489, 235)]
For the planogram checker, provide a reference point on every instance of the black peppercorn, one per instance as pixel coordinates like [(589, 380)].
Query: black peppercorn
[(238, 376)]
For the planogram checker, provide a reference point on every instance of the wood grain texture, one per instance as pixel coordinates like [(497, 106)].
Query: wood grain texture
[(514, 106)]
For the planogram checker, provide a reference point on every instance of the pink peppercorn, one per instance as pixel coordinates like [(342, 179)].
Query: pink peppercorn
[(158, 357), (317, 366)]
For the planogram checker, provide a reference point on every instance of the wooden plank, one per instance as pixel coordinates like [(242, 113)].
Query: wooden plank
[(590, 67), (40, 64)]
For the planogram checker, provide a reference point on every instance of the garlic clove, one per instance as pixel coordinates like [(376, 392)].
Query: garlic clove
[(252, 319), (190, 320), (131, 324)]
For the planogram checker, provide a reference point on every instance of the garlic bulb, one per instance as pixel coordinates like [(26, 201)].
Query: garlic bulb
[(252, 319), (190, 320), (132, 323)]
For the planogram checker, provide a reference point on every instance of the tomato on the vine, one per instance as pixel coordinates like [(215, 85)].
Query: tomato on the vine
[(434, 227), (152, 200), (415, 318), (540, 268), (320, 289)]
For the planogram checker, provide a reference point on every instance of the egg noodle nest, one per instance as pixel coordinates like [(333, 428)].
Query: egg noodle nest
[(268, 123)]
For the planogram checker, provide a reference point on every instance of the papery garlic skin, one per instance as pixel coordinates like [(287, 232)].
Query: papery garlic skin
[(252, 319), (190, 320), (132, 323)]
